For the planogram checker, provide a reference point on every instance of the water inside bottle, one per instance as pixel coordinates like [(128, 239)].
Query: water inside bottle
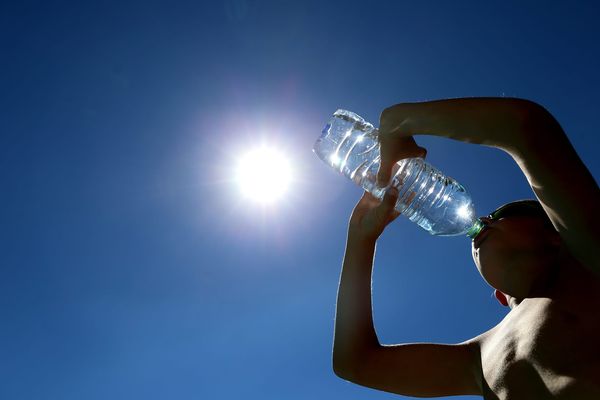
[(437, 203)]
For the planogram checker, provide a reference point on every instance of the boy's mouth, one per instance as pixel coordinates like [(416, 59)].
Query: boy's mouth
[(481, 237)]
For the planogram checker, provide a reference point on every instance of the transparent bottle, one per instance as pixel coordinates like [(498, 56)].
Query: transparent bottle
[(435, 202)]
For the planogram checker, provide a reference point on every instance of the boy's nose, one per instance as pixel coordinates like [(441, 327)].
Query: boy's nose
[(486, 220)]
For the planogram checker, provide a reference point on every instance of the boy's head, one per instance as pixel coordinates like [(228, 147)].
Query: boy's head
[(517, 249)]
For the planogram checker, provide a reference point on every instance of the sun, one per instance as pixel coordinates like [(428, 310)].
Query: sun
[(263, 175)]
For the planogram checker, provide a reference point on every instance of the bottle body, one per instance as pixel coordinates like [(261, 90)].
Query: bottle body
[(437, 203)]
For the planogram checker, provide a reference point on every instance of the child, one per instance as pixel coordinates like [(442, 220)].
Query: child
[(539, 256)]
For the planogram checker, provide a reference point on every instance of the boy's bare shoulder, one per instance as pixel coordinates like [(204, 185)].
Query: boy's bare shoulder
[(542, 350)]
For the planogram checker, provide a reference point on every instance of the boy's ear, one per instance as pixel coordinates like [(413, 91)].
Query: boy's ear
[(501, 297)]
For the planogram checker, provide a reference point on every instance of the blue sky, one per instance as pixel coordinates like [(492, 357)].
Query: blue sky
[(131, 267)]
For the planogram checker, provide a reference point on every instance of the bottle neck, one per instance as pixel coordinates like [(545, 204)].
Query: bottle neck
[(475, 229)]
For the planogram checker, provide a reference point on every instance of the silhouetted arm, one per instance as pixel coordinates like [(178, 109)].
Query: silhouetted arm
[(533, 138), (419, 369), (564, 186)]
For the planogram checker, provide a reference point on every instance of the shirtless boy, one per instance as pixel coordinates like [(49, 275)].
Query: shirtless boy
[(543, 259)]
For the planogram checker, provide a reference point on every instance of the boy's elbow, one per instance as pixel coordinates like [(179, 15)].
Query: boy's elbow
[(342, 371), (348, 366), (349, 362), (342, 365), (535, 117)]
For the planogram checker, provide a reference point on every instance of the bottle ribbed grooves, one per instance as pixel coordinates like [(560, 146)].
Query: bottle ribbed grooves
[(407, 195)]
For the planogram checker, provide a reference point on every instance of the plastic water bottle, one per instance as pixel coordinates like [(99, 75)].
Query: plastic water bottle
[(435, 202)]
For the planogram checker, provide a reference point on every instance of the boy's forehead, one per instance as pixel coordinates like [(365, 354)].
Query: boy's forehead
[(528, 208), (532, 206)]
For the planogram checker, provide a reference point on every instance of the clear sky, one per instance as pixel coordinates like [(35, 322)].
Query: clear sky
[(131, 267)]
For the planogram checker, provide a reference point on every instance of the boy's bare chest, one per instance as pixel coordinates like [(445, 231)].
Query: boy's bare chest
[(540, 351)]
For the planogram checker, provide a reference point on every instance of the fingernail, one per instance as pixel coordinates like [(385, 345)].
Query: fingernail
[(392, 191)]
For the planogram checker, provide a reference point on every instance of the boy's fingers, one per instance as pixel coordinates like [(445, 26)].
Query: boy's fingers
[(389, 200), (392, 150), (386, 162), (391, 195), (368, 199), (384, 173), (385, 210)]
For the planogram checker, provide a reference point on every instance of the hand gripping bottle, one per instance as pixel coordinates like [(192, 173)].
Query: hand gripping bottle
[(435, 202)]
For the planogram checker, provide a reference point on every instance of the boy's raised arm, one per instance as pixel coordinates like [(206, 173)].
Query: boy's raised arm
[(421, 369), (564, 186), (533, 138)]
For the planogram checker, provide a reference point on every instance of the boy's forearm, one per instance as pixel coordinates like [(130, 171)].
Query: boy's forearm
[(496, 122), (354, 330)]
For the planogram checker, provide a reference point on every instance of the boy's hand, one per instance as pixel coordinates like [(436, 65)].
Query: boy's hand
[(370, 216), (393, 149)]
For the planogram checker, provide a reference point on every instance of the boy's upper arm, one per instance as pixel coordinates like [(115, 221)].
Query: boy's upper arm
[(564, 187), (422, 369)]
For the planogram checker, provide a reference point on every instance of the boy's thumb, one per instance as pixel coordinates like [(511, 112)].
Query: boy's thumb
[(389, 199), (383, 175)]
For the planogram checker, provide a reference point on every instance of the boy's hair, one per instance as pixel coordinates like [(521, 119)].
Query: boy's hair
[(529, 207)]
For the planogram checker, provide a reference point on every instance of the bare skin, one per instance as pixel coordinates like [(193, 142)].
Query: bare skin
[(547, 346)]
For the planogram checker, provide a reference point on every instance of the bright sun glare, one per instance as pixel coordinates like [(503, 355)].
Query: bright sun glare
[(263, 175)]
